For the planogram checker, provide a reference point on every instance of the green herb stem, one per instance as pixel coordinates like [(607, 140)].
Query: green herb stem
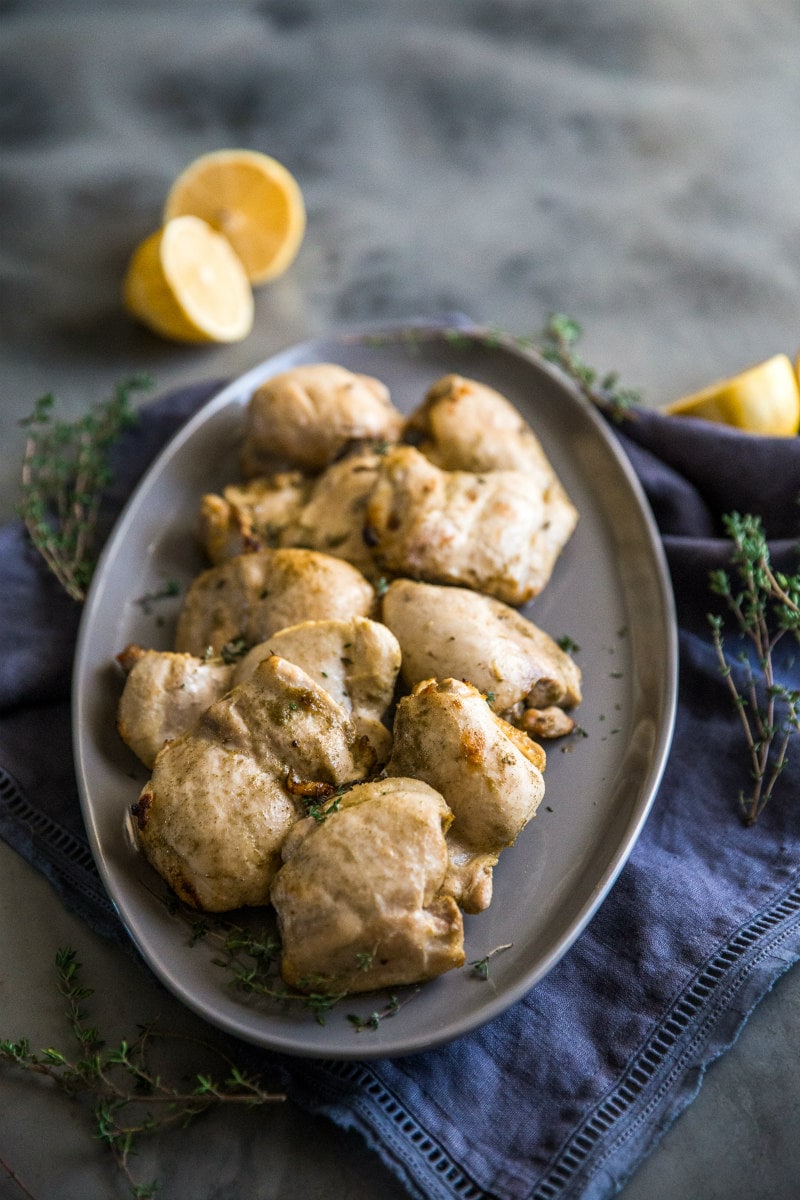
[(558, 345), (64, 474), (128, 1097), (765, 606)]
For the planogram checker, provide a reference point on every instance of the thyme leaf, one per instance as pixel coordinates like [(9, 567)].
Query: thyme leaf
[(320, 809), (361, 1024), (147, 601), (480, 966), (233, 650), (568, 644)]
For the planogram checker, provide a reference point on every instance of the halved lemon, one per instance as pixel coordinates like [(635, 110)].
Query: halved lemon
[(186, 283), (249, 197), (763, 399)]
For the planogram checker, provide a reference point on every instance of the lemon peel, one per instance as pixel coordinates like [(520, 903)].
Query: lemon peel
[(249, 197), (763, 399)]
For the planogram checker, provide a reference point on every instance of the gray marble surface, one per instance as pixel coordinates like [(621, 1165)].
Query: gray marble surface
[(635, 165)]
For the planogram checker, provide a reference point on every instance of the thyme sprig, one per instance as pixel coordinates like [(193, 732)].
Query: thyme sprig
[(251, 959), (480, 966), (64, 473), (390, 1009), (558, 343), (765, 605), (127, 1094)]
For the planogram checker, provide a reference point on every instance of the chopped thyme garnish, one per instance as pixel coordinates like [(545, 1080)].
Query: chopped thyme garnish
[(360, 1024), (233, 650), (171, 588), (320, 809), (568, 644)]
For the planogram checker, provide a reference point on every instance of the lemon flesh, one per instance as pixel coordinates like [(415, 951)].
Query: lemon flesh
[(249, 197), (764, 399), (186, 283)]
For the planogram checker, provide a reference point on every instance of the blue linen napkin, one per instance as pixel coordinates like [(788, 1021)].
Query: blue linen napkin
[(563, 1095)]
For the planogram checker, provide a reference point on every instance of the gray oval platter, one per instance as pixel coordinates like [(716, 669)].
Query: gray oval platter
[(610, 594)]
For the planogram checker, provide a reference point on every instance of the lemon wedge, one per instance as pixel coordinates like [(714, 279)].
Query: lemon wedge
[(186, 283), (249, 197), (763, 399)]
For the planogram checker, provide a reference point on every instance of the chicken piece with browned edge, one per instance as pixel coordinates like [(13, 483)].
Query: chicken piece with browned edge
[(489, 773), (452, 632), (250, 516), (332, 517), (355, 661), (164, 694), (493, 531), (465, 425)]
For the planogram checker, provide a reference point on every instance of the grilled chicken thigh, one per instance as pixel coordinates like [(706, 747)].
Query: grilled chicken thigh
[(452, 632), (355, 661), (164, 694), (324, 513), (358, 900), (489, 773), (250, 516), (493, 532), (308, 415), (252, 596), (463, 425), (332, 518), (223, 796)]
